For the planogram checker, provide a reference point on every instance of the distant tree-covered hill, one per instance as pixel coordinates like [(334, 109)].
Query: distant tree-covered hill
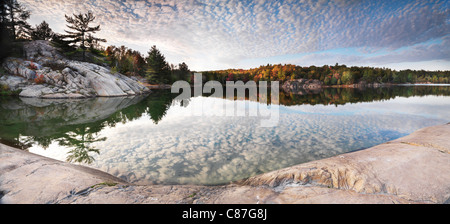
[(329, 75)]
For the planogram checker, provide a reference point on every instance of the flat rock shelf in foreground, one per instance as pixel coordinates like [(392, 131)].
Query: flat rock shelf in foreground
[(412, 169)]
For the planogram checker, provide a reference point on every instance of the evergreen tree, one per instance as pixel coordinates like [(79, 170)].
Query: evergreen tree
[(15, 18), (42, 32), (158, 69), (183, 67), (183, 72), (333, 80), (58, 41), (3, 13), (5, 37), (81, 31)]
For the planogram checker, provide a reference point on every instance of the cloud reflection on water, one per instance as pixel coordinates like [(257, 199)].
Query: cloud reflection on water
[(189, 149)]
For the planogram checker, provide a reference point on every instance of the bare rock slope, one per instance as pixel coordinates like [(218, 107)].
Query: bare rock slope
[(412, 169), (45, 73)]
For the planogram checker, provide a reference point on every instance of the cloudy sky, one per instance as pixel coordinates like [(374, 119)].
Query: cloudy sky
[(219, 34)]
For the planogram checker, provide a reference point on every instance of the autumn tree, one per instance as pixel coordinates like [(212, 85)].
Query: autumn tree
[(326, 81), (138, 64), (80, 31), (281, 74), (126, 61), (347, 78)]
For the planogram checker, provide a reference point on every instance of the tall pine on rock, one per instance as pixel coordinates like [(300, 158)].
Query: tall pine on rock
[(5, 35), (81, 32), (14, 16), (158, 69), (13, 27)]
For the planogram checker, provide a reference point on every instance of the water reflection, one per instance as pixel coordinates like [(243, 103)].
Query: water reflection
[(342, 96), (153, 139), (80, 143), (26, 122)]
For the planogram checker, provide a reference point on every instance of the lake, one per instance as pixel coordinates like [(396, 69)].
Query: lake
[(156, 139)]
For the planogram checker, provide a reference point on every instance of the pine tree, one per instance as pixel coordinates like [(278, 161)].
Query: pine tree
[(81, 31), (5, 37), (183, 73), (58, 41), (158, 69), (183, 67), (15, 16), (42, 32)]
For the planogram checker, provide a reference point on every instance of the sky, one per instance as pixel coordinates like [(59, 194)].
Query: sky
[(216, 34)]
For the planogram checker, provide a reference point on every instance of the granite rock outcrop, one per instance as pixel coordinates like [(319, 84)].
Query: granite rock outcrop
[(45, 73)]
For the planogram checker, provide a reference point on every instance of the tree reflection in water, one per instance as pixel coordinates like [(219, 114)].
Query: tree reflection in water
[(80, 140), (76, 124)]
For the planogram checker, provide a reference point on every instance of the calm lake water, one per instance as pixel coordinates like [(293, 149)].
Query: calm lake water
[(155, 139)]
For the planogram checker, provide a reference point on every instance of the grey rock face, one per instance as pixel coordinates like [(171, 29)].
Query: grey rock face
[(41, 51), (19, 67), (35, 91), (80, 78), (54, 77), (301, 86), (13, 82)]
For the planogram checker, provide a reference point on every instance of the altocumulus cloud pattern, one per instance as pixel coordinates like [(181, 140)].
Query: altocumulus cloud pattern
[(210, 34)]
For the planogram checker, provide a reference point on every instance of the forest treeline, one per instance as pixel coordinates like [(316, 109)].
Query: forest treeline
[(329, 75), (79, 43)]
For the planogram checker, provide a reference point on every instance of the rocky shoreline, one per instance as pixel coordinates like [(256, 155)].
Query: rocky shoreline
[(412, 169), (45, 73), (314, 86)]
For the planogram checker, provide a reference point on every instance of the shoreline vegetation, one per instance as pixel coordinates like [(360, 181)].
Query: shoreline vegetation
[(421, 158), (153, 70)]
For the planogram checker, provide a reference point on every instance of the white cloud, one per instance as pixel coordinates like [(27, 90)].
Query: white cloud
[(435, 50), (223, 30)]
